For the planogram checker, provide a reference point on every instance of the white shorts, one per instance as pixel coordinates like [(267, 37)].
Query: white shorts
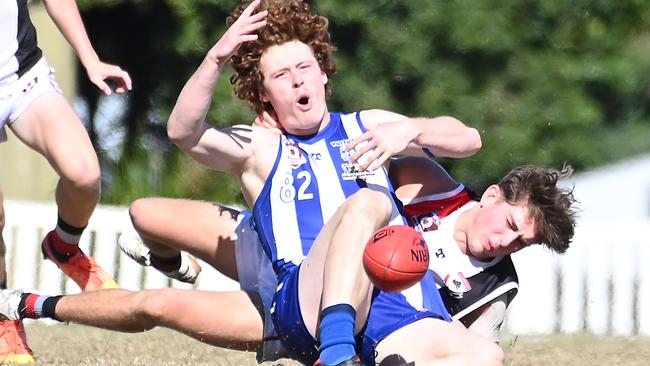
[(256, 275), (16, 97)]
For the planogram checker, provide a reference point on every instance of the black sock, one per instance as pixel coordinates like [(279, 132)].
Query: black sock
[(166, 264), (68, 233)]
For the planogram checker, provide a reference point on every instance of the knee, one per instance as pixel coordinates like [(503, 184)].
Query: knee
[(490, 355), (368, 204), (84, 177), (140, 211), (152, 305)]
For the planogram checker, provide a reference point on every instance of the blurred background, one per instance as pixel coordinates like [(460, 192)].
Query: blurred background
[(546, 82)]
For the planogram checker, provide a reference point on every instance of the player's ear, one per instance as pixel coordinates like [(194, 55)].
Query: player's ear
[(264, 97), (324, 78), (491, 195)]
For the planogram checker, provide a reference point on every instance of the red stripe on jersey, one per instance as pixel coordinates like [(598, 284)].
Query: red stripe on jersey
[(442, 207)]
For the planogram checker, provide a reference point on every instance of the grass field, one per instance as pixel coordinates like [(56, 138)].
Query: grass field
[(77, 345)]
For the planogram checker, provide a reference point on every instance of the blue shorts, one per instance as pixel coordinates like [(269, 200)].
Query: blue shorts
[(388, 313), (391, 311), (287, 319)]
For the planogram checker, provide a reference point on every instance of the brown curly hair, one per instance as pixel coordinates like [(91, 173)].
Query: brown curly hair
[(550, 206), (286, 21)]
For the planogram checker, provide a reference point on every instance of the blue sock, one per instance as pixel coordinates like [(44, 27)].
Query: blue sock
[(337, 334)]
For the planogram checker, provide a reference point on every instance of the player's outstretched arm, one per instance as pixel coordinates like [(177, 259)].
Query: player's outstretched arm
[(390, 134), (187, 127), (65, 15)]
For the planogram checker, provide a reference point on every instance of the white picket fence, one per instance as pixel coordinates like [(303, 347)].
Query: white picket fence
[(600, 285), (27, 223)]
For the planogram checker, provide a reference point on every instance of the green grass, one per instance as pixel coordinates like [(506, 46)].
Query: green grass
[(78, 345), (577, 350)]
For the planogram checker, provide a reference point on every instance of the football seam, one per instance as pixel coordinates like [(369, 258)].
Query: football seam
[(388, 268)]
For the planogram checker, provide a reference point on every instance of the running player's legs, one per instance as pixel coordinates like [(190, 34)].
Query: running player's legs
[(42, 118), (432, 341), (51, 127), (203, 229), (224, 319)]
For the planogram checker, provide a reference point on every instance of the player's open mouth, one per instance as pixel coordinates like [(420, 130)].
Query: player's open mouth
[(304, 103)]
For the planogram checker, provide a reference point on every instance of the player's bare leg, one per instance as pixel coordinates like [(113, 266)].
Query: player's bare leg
[(203, 229), (332, 277), (13, 341), (431, 341), (50, 127), (224, 319)]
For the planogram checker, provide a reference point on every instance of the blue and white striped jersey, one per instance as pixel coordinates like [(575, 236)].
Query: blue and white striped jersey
[(310, 180)]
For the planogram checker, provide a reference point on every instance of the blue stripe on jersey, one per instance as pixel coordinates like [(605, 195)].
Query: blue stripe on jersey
[(309, 224)]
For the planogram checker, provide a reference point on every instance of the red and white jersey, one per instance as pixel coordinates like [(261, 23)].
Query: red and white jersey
[(464, 281)]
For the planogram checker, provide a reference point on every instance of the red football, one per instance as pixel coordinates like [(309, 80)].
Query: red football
[(395, 258)]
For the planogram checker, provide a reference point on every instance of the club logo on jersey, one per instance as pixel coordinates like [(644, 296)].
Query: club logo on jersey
[(457, 284), (342, 144), (349, 171), (294, 154), (428, 222), (353, 172)]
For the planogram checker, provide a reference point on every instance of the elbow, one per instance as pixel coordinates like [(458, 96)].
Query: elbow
[(470, 136), (173, 132), (474, 141), (176, 134), (469, 144)]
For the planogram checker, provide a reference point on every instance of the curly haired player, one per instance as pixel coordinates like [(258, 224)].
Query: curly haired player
[(313, 164)]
